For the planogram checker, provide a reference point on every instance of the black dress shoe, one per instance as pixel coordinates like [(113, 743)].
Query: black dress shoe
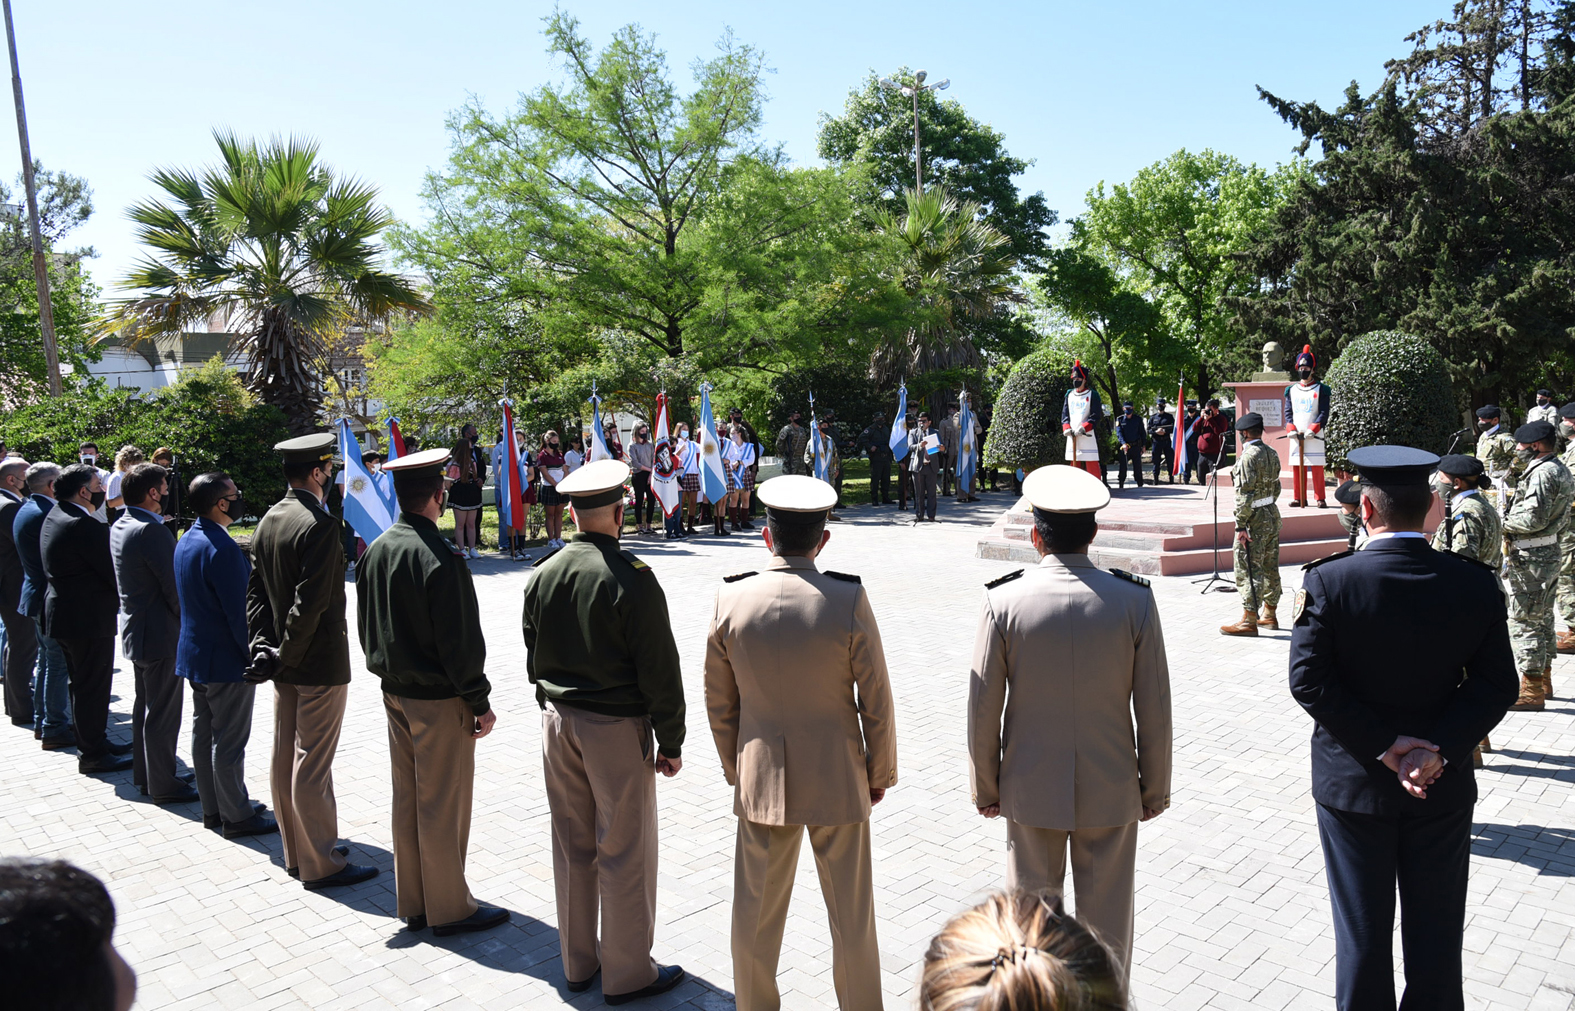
[(58, 742), (217, 821), (583, 985), (185, 796), (415, 923), (257, 824), (15, 722), (667, 977), (484, 918), (349, 874), (344, 851), (120, 749), (108, 763)]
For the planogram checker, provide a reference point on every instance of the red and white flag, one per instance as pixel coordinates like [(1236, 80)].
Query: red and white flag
[(664, 471), (1178, 459)]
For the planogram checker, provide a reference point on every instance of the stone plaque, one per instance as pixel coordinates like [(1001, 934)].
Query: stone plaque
[(1271, 411)]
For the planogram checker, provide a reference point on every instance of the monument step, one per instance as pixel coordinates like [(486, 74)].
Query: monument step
[(1159, 563)]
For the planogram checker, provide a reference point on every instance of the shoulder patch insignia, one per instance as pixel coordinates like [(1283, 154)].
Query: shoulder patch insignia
[(1299, 606), (740, 575), (844, 576), (1327, 558), (543, 558), (1130, 577), (992, 584), (634, 560), (455, 548)]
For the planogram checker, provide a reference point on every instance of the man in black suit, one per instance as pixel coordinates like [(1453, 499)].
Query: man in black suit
[(1401, 654), (143, 550), (79, 611), (21, 640)]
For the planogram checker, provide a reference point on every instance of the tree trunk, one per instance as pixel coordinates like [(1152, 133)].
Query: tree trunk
[(282, 373)]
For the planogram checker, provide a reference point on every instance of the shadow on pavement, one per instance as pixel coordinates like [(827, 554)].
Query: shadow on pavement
[(1536, 846)]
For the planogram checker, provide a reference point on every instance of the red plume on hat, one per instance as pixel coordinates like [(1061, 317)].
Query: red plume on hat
[(1307, 356), (1078, 370)]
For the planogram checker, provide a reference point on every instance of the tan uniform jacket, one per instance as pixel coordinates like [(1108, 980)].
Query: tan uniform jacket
[(1071, 652), (799, 700)]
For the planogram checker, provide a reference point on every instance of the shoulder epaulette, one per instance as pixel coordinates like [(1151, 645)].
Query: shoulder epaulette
[(739, 575), (1327, 558), (1130, 577), (543, 558), (992, 584), (844, 576), (455, 548), (634, 560)]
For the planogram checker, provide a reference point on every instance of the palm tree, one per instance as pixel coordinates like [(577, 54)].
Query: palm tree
[(958, 269), (272, 244)]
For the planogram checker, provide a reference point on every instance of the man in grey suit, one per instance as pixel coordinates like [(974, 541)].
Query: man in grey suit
[(21, 639), (1081, 652), (143, 550)]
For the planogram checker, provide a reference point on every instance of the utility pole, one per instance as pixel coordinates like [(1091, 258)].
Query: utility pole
[(46, 311), (908, 91)]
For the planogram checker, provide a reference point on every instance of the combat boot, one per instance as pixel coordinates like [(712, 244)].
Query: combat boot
[(1247, 626), (1269, 620), (1564, 642), (1530, 699), (1547, 681)]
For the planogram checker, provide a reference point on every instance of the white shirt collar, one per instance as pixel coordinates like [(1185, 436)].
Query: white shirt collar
[(1387, 534)]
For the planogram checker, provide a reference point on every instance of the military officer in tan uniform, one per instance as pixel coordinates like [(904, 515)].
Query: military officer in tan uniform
[(295, 610), (607, 677), (1072, 653), (801, 710)]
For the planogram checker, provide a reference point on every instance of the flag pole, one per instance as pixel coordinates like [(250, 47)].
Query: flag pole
[(46, 309)]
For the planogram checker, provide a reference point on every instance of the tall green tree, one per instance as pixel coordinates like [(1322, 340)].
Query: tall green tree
[(1173, 234), (967, 157), (273, 244)]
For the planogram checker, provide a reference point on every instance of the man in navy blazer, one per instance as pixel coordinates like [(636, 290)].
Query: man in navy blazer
[(79, 611), (143, 550), (21, 639), (51, 685), (1401, 654), (211, 573)]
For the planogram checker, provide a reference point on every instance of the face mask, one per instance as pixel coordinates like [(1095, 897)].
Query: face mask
[(1443, 487), (97, 498), (235, 508), (443, 504), (1525, 455), (91, 461), (1485, 425), (1304, 373), (1566, 429)]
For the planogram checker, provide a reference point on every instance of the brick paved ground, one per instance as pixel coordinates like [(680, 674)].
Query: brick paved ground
[(1232, 911)]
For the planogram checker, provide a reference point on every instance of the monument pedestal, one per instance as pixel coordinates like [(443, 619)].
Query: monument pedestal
[(1268, 399)]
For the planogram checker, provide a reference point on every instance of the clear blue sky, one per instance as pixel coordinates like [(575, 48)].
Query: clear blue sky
[(1089, 91)]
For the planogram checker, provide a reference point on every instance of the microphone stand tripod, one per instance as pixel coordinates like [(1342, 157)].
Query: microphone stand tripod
[(1214, 489)]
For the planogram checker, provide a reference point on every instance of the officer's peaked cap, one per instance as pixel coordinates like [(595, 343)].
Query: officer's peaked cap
[(1060, 488), (1393, 466)]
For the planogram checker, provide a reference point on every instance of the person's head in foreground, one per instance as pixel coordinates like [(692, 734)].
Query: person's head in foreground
[(797, 506), (1065, 501), (1017, 951), (56, 924)]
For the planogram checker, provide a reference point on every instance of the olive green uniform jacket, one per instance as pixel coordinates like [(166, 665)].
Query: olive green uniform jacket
[(417, 616), (295, 599), (599, 638)]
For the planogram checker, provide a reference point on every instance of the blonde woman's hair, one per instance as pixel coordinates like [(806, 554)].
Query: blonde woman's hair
[(127, 456), (1017, 951)]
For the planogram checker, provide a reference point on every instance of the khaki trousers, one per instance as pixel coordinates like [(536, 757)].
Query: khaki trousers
[(1104, 861), (764, 863), (433, 752), (601, 787), (306, 722)]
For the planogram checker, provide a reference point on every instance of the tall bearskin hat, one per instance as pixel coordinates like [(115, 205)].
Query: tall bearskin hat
[(1078, 371), (1307, 356)]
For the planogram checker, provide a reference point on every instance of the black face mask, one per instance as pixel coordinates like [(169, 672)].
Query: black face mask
[(97, 498), (1304, 373), (235, 508)]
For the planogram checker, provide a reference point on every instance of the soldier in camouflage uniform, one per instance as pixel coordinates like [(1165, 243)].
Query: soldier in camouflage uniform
[(1473, 527), (1256, 480), (1564, 642), (791, 443), (1496, 450), (1538, 515)]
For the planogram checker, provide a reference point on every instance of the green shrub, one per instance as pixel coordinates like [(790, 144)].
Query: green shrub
[(1025, 430), (206, 417), (1389, 388)]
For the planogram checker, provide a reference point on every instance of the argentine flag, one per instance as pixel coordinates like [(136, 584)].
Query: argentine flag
[(713, 480), (899, 425), (817, 444), (598, 448), (365, 510), (967, 448), (396, 442)]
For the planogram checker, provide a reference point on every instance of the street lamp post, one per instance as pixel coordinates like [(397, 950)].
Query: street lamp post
[(912, 91)]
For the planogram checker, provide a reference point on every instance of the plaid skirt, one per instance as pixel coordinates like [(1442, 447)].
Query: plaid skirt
[(550, 496), (689, 482), (741, 480)]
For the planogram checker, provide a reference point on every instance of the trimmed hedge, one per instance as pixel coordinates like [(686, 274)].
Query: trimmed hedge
[(206, 417), (1025, 430), (1389, 388)]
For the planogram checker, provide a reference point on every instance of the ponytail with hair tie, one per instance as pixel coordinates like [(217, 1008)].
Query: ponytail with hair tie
[(1014, 955)]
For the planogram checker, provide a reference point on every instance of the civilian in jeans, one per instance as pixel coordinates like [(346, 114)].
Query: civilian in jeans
[(51, 684), (210, 576), (642, 459)]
